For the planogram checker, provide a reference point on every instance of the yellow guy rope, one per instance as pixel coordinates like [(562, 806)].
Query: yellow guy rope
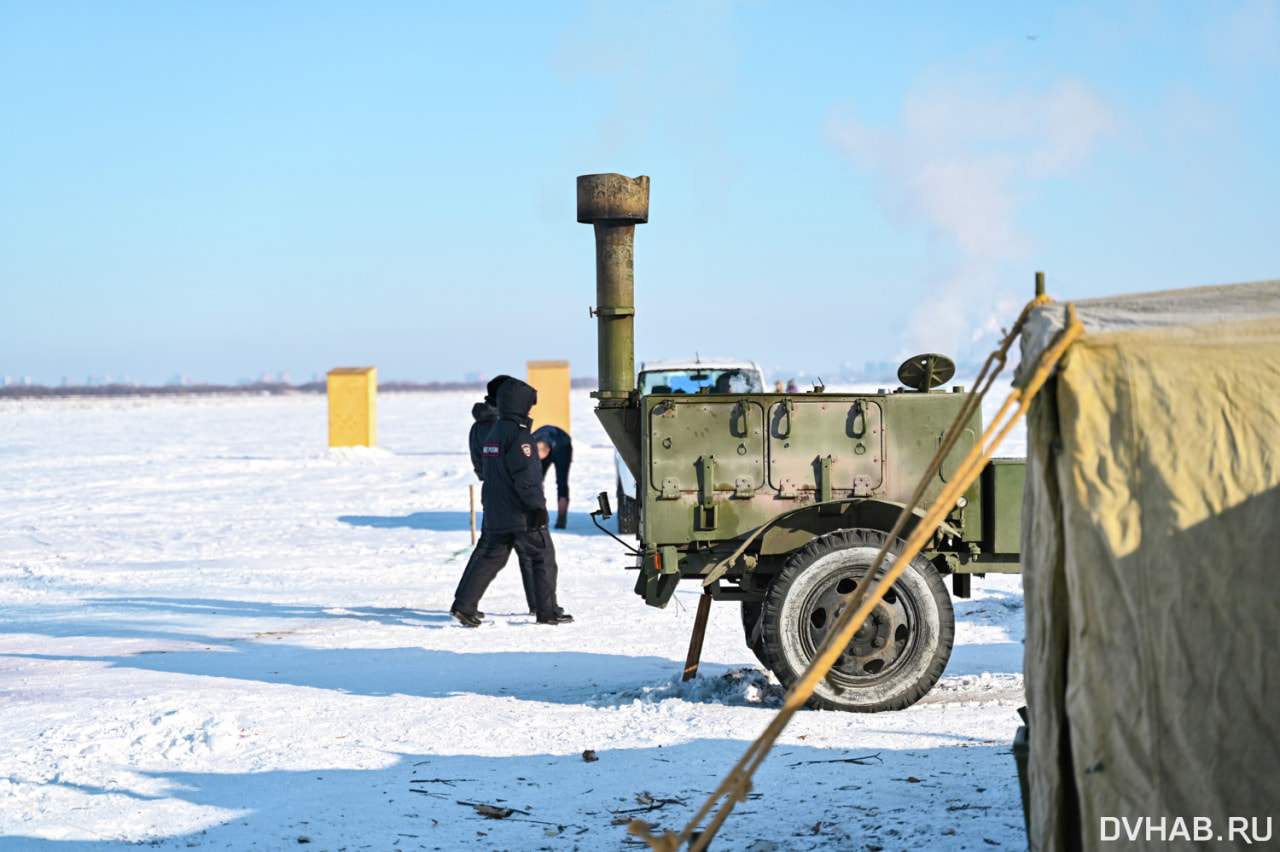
[(861, 601)]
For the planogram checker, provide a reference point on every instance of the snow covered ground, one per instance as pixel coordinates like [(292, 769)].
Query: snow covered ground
[(216, 632)]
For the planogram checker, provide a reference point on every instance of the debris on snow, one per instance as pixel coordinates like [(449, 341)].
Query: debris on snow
[(861, 761), (736, 687), (492, 811)]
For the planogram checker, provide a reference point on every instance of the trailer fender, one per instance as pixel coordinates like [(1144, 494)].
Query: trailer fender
[(796, 529), (791, 530)]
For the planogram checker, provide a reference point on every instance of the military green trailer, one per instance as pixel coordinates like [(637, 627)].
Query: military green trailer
[(780, 502)]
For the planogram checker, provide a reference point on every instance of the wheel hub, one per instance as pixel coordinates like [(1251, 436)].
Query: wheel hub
[(880, 644), (873, 634)]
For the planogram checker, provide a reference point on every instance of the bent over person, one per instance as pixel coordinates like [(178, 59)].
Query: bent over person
[(515, 512), (554, 447)]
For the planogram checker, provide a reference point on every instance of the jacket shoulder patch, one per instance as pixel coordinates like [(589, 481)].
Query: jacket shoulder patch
[(527, 450)]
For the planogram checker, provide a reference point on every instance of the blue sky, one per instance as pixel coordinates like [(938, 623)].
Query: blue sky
[(227, 189)]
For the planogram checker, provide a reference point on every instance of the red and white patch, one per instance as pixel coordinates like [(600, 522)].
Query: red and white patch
[(527, 450)]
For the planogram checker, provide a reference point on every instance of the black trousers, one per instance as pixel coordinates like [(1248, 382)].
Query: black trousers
[(491, 555), (526, 572)]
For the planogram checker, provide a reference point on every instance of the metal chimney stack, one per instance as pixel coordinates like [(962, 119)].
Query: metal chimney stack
[(615, 204)]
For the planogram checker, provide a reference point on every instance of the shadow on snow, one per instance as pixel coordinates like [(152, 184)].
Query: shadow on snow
[(261, 655), (804, 798), (579, 522), (273, 654), (555, 676)]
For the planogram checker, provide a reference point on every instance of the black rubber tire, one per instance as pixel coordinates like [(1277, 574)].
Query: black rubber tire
[(752, 627), (628, 514), (914, 625)]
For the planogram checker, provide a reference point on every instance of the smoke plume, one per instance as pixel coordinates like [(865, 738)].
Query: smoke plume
[(962, 162)]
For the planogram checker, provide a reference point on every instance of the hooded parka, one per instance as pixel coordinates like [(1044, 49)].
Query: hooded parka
[(485, 414), (515, 511), (512, 493)]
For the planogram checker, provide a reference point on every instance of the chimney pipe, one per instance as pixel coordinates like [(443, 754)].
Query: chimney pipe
[(614, 204)]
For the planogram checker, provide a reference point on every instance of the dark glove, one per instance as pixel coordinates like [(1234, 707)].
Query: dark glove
[(538, 519)]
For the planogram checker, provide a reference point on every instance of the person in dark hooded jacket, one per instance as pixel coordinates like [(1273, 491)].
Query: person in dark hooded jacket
[(556, 448), (515, 511), (485, 414)]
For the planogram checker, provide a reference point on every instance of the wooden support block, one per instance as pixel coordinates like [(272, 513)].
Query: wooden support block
[(695, 641)]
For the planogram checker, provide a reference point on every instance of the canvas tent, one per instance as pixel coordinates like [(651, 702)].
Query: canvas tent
[(1151, 562)]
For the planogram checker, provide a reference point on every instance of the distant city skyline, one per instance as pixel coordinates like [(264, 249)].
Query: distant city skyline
[(871, 371), (222, 190)]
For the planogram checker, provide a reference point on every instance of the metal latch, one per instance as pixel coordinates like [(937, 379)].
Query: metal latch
[(670, 489), (862, 486), (705, 514), (706, 481), (743, 489), (824, 478), (787, 489)]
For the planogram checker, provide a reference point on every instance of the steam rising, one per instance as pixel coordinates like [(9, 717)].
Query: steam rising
[(963, 161)]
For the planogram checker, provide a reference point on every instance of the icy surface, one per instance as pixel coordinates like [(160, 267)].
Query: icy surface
[(217, 632)]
